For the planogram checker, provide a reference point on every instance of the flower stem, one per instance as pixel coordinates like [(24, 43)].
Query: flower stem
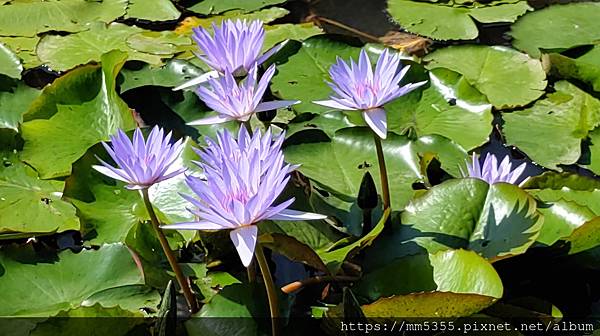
[(251, 271), (270, 286), (382, 173), (187, 292)]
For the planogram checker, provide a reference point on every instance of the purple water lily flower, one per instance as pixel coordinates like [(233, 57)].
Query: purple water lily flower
[(233, 101), (492, 172), (142, 163), (243, 178), (234, 48), (358, 87)]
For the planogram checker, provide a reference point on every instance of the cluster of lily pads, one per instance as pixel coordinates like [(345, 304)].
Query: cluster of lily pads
[(229, 166)]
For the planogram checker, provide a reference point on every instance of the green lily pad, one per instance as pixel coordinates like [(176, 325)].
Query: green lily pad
[(561, 218), (50, 152), (24, 48), (152, 10), (210, 283), (456, 271), (350, 153), (557, 27), (428, 304), (79, 321), (451, 22), (265, 16), (164, 44), (172, 74), (66, 283), (561, 121), (74, 88), (231, 312), (112, 215), (281, 32), (131, 298), (66, 52), (586, 237), (506, 77), (30, 206), (10, 65), (585, 68), (594, 139), (571, 214), (15, 102), (28, 18), (315, 234), (449, 107), (496, 221), (303, 76), (451, 156), (329, 123), (557, 181), (208, 7)]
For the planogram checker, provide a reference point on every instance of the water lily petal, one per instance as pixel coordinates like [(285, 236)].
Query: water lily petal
[(198, 80), (377, 120), (218, 119), (333, 104), (244, 240), (289, 214)]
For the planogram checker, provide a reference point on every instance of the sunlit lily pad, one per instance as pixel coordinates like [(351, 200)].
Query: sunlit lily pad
[(24, 48), (30, 206), (496, 221), (303, 76), (445, 271), (265, 16), (506, 77), (352, 152), (155, 10), (10, 65), (450, 107), (442, 21), (15, 101), (65, 52), (207, 7), (28, 18), (551, 131), (92, 121), (585, 68), (557, 27), (428, 304), (65, 283)]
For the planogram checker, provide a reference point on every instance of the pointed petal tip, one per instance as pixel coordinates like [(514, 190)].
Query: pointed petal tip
[(244, 239), (218, 119), (291, 215), (198, 80), (377, 121)]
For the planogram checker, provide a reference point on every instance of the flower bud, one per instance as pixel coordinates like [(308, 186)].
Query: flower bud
[(367, 194)]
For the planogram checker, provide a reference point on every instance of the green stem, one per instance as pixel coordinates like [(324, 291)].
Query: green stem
[(187, 292), (382, 173), (251, 271), (271, 289)]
